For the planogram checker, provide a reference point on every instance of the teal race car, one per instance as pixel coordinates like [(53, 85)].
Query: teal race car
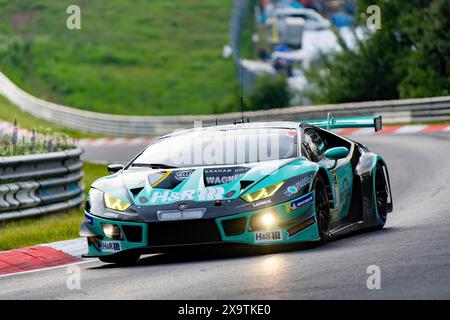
[(264, 183)]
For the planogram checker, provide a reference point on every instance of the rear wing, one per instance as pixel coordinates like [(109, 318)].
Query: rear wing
[(344, 123)]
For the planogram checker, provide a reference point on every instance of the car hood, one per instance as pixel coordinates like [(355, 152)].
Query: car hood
[(147, 187)]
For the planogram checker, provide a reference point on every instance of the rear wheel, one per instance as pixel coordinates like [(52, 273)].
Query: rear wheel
[(381, 194), (122, 259), (322, 208)]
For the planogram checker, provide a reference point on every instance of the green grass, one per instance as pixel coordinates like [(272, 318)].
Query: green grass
[(27, 232), (9, 112), (130, 57)]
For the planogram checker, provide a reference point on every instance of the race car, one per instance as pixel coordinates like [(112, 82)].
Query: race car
[(261, 184)]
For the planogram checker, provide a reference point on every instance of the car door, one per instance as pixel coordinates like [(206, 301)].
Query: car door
[(315, 143)]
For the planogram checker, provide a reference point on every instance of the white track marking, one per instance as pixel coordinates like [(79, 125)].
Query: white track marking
[(410, 129), (75, 247), (363, 132), (49, 268)]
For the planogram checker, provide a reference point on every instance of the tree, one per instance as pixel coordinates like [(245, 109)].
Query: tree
[(270, 92), (408, 57)]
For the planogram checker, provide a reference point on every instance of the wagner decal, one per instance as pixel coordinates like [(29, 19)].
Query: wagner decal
[(205, 194), (301, 201), (301, 226), (217, 176)]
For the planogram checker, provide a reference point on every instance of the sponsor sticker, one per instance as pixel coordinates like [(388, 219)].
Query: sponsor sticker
[(223, 175), (88, 219), (268, 236), (301, 201), (182, 175), (94, 242), (261, 203), (169, 196), (301, 226), (110, 246), (157, 177), (111, 214), (293, 189)]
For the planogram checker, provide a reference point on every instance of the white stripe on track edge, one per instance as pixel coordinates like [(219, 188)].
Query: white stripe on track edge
[(410, 129), (363, 132), (49, 268)]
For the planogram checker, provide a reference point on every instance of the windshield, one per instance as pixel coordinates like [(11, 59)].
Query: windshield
[(227, 147)]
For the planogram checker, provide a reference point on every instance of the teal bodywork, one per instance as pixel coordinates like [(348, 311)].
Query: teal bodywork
[(287, 217), (292, 204), (266, 173)]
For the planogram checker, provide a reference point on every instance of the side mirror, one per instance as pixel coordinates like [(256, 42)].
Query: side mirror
[(113, 168), (336, 153)]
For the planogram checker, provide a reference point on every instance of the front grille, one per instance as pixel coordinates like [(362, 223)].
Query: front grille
[(234, 227), (133, 233), (167, 233)]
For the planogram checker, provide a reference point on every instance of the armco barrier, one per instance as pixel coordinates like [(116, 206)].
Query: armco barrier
[(40, 184), (406, 111)]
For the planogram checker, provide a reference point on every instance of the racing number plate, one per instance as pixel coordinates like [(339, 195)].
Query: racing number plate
[(268, 236), (110, 246)]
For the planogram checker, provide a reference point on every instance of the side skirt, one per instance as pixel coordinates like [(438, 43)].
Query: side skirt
[(348, 227)]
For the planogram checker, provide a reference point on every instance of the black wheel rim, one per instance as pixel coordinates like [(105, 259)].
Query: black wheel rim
[(381, 194)]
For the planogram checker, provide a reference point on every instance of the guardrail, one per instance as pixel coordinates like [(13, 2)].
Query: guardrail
[(404, 111), (39, 184)]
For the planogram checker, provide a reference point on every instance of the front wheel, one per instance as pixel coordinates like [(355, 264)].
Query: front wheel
[(322, 208), (122, 259)]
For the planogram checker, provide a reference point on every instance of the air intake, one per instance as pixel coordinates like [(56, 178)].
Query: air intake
[(136, 191), (245, 184)]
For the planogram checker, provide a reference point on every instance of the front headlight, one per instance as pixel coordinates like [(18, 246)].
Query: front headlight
[(115, 203), (263, 193)]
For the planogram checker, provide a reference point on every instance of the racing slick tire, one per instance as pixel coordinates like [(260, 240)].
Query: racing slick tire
[(322, 208), (381, 196), (121, 259)]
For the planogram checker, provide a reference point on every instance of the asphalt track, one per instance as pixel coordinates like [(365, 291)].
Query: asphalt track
[(412, 252)]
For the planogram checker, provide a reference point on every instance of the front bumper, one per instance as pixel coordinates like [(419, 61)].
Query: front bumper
[(295, 222)]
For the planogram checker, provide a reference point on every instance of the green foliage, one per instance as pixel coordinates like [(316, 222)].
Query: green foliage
[(270, 92), (407, 58), (130, 57), (47, 141)]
